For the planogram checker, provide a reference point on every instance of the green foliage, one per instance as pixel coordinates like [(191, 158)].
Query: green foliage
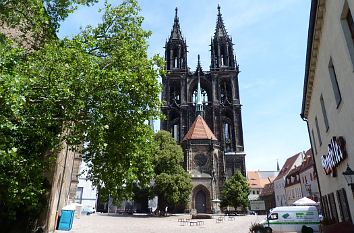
[(37, 20), (173, 184), (235, 191), (99, 87), (168, 155)]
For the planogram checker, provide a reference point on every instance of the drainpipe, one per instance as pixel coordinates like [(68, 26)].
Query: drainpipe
[(313, 155)]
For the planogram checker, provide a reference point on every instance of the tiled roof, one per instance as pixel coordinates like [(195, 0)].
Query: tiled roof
[(287, 166), (267, 190), (308, 161), (199, 130), (258, 179)]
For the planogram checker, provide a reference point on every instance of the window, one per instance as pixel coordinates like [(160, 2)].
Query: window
[(348, 29), (318, 131), (175, 132), (273, 216), (323, 107), (314, 141), (78, 196), (343, 205), (333, 207), (350, 23), (334, 81), (226, 131)]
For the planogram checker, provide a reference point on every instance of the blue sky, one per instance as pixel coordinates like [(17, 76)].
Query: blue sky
[(270, 40)]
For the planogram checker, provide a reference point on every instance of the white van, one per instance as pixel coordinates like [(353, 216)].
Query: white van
[(292, 219)]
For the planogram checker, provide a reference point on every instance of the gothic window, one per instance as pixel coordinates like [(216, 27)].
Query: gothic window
[(175, 97), (205, 97), (225, 93), (175, 131), (200, 159), (227, 131)]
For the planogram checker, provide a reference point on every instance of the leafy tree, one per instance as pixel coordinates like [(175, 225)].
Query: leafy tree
[(99, 87), (172, 183), (37, 21), (235, 192)]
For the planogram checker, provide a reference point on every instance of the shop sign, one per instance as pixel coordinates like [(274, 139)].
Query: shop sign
[(336, 154)]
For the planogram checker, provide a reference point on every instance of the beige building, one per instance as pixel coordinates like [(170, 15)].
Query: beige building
[(257, 180), (308, 178), (293, 191), (328, 102), (279, 182)]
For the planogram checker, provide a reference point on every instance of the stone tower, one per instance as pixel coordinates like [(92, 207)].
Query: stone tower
[(203, 113)]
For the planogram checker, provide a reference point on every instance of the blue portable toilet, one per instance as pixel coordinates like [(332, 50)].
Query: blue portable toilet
[(66, 218)]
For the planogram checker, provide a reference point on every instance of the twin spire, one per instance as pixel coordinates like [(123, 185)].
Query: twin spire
[(220, 30), (176, 31)]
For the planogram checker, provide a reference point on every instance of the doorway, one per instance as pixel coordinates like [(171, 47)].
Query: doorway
[(200, 202)]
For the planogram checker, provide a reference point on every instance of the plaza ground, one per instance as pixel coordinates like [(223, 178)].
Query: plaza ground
[(104, 223)]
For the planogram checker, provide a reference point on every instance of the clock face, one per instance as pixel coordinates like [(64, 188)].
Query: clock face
[(200, 159)]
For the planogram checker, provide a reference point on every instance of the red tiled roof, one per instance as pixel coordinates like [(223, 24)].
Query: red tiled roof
[(199, 130), (256, 180), (308, 161), (287, 166)]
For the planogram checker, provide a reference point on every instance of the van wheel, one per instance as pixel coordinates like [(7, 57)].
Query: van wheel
[(306, 229), (268, 230)]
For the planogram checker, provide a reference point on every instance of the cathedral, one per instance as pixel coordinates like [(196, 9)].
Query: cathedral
[(203, 113)]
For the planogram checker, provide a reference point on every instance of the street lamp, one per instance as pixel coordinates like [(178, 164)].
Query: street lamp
[(349, 177)]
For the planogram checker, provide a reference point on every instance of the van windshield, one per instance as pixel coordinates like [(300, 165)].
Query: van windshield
[(273, 216)]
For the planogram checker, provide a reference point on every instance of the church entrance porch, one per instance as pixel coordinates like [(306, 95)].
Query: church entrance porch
[(200, 202), (201, 199)]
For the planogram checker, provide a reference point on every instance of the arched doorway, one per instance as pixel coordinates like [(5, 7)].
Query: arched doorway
[(200, 202)]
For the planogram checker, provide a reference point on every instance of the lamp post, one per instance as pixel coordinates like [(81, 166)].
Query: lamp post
[(349, 177)]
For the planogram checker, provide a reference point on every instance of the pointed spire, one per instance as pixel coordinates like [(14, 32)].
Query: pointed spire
[(176, 15), (278, 169), (176, 31), (220, 30), (199, 103), (199, 70)]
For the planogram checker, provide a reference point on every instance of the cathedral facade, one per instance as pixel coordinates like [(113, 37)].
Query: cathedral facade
[(203, 113)]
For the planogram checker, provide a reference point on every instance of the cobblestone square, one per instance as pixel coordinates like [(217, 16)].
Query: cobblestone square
[(146, 224)]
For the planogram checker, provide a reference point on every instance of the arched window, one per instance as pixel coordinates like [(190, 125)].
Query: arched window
[(227, 133), (175, 131), (205, 97)]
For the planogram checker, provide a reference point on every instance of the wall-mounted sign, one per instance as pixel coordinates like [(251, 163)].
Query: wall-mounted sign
[(336, 154)]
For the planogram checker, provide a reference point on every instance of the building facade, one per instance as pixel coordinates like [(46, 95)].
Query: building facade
[(203, 113), (308, 178), (268, 196), (86, 193), (328, 102), (293, 191), (279, 182), (257, 181)]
